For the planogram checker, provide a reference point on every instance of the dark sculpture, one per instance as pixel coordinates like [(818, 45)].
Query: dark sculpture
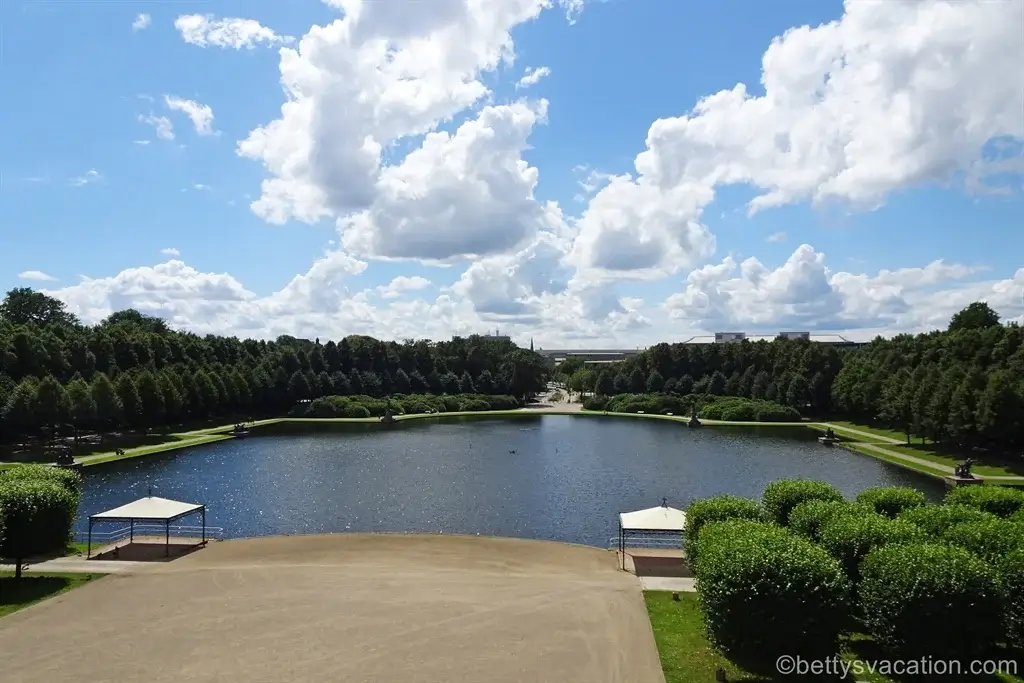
[(963, 470), (65, 458), (694, 422)]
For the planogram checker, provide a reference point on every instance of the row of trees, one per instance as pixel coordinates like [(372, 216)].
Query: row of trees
[(963, 386), (132, 371), (793, 373)]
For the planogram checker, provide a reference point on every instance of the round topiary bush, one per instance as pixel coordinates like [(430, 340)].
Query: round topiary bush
[(69, 479), (38, 517), (850, 537), (930, 600), (935, 520), (807, 518), (1012, 571), (892, 500), (1017, 516), (353, 410), (780, 497), (990, 539), (716, 509), (1001, 501), (766, 592)]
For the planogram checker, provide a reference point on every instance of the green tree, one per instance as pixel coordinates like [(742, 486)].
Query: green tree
[(976, 316), (298, 387), (655, 382), (83, 407), (605, 385), (152, 407), (108, 405), (128, 397), (716, 384), (19, 412), (52, 405), (25, 306)]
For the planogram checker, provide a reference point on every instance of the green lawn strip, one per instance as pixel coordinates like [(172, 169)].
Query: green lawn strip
[(951, 460), (917, 467), (16, 594), (687, 657), (877, 431), (150, 450)]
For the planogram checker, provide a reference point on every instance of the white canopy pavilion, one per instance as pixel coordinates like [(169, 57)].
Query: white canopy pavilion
[(149, 509), (659, 520)]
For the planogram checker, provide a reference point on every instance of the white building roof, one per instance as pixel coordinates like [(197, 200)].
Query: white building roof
[(149, 508), (661, 518)]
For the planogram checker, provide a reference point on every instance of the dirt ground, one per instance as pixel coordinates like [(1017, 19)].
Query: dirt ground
[(346, 608)]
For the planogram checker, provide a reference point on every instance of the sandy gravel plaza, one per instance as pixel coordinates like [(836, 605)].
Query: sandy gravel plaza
[(346, 608)]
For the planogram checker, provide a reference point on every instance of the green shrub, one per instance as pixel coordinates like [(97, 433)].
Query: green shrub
[(1012, 571), (474, 405), (990, 539), (737, 409), (1017, 516), (892, 500), (658, 404), (69, 479), (930, 600), (354, 410), (595, 402), (766, 592), (38, 517), (1001, 501), (716, 509), (807, 518), (935, 520), (780, 497), (851, 537)]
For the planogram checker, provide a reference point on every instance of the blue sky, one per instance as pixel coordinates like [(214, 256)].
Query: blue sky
[(76, 108)]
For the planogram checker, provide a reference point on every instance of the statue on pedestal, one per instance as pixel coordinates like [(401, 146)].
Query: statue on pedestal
[(963, 470), (694, 422)]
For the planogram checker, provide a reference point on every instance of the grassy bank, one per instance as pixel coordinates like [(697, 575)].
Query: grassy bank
[(16, 594), (687, 657)]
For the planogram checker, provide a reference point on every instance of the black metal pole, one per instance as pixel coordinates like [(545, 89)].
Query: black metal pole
[(88, 547), (167, 538), (131, 531), (204, 525)]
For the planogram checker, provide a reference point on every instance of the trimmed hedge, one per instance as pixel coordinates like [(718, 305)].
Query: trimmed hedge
[(731, 408), (892, 500), (766, 592), (368, 406), (989, 539), (921, 600), (936, 520), (780, 497), (1017, 516), (716, 509), (38, 517), (851, 537), (807, 518), (735, 409), (1012, 571), (69, 479), (1001, 501)]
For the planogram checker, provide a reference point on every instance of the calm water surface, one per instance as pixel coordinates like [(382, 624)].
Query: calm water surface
[(566, 480)]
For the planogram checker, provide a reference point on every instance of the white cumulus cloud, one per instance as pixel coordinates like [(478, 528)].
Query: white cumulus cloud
[(200, 114), (36, 276), (142, 21), (205, 30), (532, 77)]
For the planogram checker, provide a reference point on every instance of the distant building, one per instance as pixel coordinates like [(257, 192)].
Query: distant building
[(736, 337)]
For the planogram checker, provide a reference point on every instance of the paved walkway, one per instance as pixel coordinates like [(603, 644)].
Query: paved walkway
[(79, 565), (669, 583)]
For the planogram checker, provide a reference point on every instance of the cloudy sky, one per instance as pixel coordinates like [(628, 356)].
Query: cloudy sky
[(581, 172)]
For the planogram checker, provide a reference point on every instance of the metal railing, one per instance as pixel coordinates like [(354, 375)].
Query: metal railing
[(674, 543), (148, 530)]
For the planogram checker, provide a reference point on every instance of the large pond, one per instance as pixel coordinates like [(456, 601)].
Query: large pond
[(551, 477)]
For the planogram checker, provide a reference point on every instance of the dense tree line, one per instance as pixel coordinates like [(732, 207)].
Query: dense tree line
[(964, 386), (798, 374), (133, 371)]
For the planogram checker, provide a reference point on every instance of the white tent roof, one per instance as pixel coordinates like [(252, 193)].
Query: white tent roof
[(661, 518), (150, 508)]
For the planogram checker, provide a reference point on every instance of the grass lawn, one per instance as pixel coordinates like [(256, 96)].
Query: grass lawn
[(870, 429), (16, 594), (686, 656)]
